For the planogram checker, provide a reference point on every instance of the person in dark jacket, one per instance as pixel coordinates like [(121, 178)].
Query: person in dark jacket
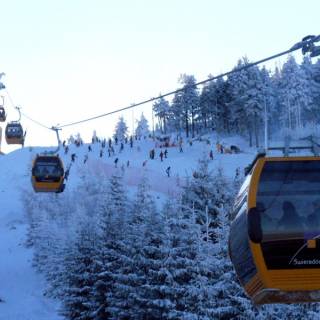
[(290, 218), (313, 219)]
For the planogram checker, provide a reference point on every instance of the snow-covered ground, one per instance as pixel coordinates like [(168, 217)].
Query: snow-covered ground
[(21, 287)]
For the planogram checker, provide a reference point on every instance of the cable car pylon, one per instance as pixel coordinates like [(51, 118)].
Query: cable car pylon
[(47, 170)]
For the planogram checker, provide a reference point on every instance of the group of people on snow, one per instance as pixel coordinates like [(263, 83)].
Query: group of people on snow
[(163, 154)]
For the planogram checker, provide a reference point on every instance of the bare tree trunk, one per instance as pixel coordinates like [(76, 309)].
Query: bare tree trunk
[(187, 124), (192, 123), (256, 130), (250, 135)]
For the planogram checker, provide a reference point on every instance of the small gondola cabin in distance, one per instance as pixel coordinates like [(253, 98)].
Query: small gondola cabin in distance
[(47, 174), (14, 133), (274, 240)]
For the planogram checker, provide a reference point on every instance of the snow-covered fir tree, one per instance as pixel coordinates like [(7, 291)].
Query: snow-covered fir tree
[(185, 104), (112, 256), (129, 301), (82, 268), (294, 93), (161, 108), (142, 129), (206, 193), (121, 130)]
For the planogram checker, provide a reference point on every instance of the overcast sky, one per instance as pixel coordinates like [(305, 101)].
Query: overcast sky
[(66, 60)]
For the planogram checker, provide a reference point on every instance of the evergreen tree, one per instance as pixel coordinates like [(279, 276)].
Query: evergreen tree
[(206, 194), (209, 107), (182, 264), (311, 73), (294, 93), (112, 247), (161, 108), (82, 267), (142, 129), (248, 99), (121, 130), (185, 104), (128, 301)]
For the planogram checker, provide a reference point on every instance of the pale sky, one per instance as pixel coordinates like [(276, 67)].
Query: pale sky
[(66, 60)]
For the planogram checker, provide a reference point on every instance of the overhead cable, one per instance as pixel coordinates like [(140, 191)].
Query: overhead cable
[(307, 44)]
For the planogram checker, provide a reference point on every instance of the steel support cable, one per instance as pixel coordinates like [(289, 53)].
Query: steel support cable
[(300, 45), (307, 45), (23, 114)]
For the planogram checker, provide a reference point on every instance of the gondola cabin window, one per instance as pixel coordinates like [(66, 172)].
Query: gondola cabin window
[(288, 199)]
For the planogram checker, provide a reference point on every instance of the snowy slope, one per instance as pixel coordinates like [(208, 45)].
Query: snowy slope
[(21, 288)]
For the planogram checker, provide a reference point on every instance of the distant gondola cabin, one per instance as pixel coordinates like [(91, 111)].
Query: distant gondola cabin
[(3, 115), (48, 174), (14, 133)]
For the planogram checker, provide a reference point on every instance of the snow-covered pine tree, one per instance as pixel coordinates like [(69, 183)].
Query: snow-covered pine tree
[(206, 191), (214, 111), (113, 208), (186, 103), (61, 230), (82, 268), (129, 301), (182, 284), (248, 99), (312, 75), (149, 299), (121, 130), (208, 106), (294, 93), (161, 108), (142, 129), (32, 206)]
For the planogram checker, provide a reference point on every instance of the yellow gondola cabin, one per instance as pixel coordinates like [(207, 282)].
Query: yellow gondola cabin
[(48, 174), (14, 133), (274, 241)]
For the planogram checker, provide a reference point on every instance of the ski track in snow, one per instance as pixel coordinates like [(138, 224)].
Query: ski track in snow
[(21, 287)]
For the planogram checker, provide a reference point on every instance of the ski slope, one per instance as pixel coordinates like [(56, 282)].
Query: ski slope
[(21, 287)]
